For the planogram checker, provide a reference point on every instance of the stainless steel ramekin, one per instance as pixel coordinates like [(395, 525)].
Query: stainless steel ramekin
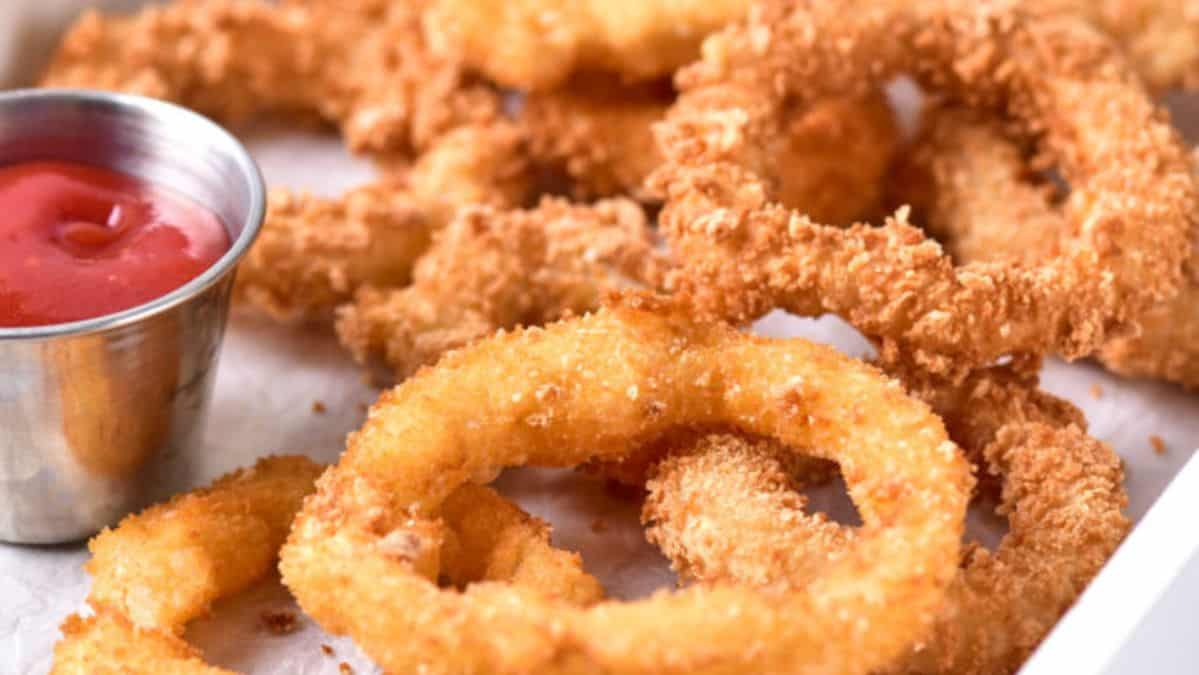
[(100, 417)]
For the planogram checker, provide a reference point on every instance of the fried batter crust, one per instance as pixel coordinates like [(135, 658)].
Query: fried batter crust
[(1056, 80), (725, 510), (977, 191), (491, 270)]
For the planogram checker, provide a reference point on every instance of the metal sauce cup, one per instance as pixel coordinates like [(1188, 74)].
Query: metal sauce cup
[(101, 417)]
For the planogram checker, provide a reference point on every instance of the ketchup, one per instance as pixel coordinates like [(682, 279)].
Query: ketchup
[(78, 241)]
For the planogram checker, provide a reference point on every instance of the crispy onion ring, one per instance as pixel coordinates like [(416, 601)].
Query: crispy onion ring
[(366, 69), (1059, 82), (725, 511), (490, 270), (161, 568), (166, 566), (595, 387), (538, 44), (1161, 37), (599, 133), (969, 182)]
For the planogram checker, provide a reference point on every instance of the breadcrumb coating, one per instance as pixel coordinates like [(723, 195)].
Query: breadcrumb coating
[(831, 162), (537, 44), (726, 511), (367, 70), (166, 565), (110, 644), (1161, 37), (1055, 80), (313, 253), (490, 270), (594, 387), (978, 192), (160, 569)]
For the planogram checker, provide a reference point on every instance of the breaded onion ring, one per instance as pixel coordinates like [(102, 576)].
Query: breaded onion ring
[(538, 44), (831, 161), (313, 254), (724, 511), (490, 270), (1056, 80), (368, 70), (719, 507), (594, 387), (164, 567), (1161, 37), (970, 183)]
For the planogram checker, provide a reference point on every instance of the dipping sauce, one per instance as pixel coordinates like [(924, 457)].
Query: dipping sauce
[(78, 241)]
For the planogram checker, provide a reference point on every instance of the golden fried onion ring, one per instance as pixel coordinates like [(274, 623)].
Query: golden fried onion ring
[(968, 182), (358, 555), (162, 568), (725, 511), (1058, 81)]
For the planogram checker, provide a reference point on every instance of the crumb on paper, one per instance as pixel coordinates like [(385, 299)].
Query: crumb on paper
[(1159, 446), (279, 622), (599, 525), (318, 407), (1096, 391), (326, 649), (345, 669)]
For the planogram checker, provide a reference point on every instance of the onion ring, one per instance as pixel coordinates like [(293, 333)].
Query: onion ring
[(591, 387), (368, 70), (538, 44), (166, 565), (490, 270), (970, 182), (313, 254), (599, 132), (724, 511), (160, 569), (1161, 37), (1133, 201)]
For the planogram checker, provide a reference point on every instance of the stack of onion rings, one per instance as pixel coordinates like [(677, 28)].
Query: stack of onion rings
[(1059, 82), (663, 371), (162, 568), (725, 511), (968, 182)]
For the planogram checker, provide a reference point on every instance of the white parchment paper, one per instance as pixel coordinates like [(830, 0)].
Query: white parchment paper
[(270, 377)]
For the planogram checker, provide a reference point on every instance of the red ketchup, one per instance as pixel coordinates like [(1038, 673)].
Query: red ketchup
[(79, 241)]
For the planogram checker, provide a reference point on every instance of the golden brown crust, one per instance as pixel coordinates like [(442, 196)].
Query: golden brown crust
[(538, 44), (591, 387), (313, 253), (369, 70), (599, 133), (725, 511), (1160, 37), (107, 643), (975, 190), (490, 270), (165, 566), (745, 255)]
